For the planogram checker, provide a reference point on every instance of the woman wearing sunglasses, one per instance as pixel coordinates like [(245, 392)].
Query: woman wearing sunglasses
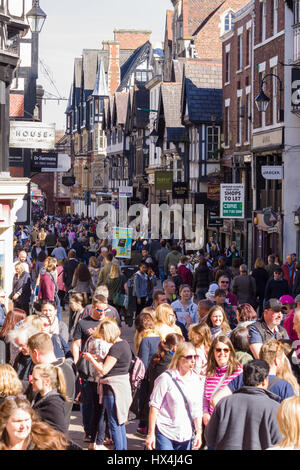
[(176, 404), (222, 367)]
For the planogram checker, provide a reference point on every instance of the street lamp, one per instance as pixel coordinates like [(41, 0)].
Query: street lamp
[(262, 100), (36, 17)]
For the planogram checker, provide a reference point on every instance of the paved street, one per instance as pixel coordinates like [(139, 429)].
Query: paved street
[(76, 431)]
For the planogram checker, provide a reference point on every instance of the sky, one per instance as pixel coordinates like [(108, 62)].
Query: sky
[(74, 25)]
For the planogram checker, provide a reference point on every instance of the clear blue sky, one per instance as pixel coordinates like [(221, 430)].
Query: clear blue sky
[(74, 25)]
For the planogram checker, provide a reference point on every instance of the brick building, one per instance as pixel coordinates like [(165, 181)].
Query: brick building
[(237, 121), (255, 54), (268, 127)]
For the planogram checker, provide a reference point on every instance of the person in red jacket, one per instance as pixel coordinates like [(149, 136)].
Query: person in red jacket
[(184, 272)]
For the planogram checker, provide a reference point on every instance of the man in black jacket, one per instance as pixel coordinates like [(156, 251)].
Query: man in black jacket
[(246, 420), (69, 268), (276, 286)]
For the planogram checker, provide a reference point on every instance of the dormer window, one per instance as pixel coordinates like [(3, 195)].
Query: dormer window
[(228, 22)]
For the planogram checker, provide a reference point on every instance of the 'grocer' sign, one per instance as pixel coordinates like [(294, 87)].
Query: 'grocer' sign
[(232, 201)]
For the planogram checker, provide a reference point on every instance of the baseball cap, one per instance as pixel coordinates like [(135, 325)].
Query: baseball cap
[(286, 300), (273, 304)]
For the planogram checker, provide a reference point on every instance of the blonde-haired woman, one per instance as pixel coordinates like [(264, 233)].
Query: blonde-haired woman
[(273, 352), (49, 403), (115, 389), (288, 419), (165, 321), (94, 268), (10, 384), (200, 336), (171, 422)]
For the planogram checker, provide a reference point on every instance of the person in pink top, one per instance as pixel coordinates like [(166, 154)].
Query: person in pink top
[(289, 303), (222, 368)]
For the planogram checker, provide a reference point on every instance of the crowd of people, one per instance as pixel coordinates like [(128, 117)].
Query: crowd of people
[(215, 357)]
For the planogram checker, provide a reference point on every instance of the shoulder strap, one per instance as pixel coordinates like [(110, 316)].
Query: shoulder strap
[(219, 384), (273, 381), (185, 400)]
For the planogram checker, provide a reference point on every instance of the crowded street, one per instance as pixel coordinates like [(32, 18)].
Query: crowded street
[(149, 228)]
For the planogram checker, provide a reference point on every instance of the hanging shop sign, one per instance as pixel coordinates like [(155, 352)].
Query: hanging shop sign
[(163, 180), (232, 201), (41, 161), (272, 172), (180, 190), (270, 217), (122, 241), (34, 135)]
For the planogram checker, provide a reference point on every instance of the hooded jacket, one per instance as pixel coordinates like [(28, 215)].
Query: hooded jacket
[(51, 408), (246, 420)]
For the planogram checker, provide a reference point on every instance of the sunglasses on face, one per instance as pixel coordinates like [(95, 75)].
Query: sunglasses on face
[(226, 350), (100, 310), (189, 357), (224, 282)]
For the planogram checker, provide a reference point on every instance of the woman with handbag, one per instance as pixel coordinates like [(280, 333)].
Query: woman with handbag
[(114, 385), (176, 404), (117, 286)]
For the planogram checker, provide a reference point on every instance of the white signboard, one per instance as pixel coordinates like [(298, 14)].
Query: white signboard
[(32, 135), (272, 172), (125, 191), (232, 204), (63, 164)]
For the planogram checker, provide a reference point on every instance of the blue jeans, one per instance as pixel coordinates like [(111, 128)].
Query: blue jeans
[(163, 443), (118, 432), (59, 315), (162, 274)]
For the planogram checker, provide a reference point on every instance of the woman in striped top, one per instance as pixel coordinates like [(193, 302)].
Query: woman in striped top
[(222, 367)]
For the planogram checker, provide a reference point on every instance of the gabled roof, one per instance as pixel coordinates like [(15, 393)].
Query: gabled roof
[(170, 108), (69, 105), (196, 13), (202, 92), (77, 79), (132, 63), (90, 63), (100, 88)]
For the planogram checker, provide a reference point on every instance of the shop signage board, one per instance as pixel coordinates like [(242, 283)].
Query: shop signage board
[(180, 190), (163, 180), (232, 205), (34, 135), (272, 172), (125, 191), (122, 241)]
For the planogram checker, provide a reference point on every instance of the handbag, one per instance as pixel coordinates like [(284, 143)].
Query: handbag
[(186, 406), (119, 299), (82, 365)]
